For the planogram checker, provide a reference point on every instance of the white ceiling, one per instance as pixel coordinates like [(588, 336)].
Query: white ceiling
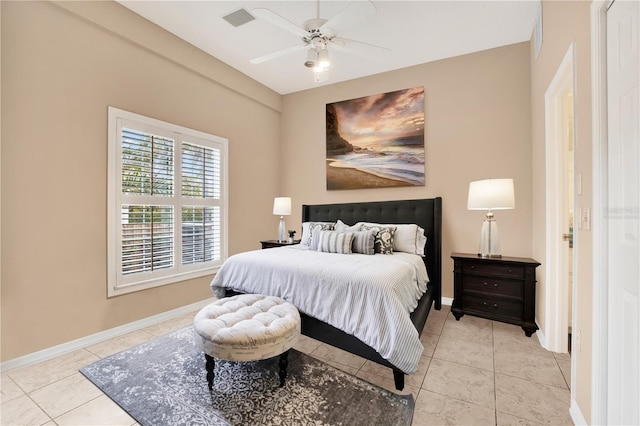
[(416, 32)]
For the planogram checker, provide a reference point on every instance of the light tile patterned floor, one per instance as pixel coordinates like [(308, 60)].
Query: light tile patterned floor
[(473, 371)]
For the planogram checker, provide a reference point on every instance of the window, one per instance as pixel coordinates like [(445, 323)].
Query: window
[(167, 203)]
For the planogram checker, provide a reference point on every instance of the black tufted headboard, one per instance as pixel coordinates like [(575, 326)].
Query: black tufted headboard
[(426, 213)]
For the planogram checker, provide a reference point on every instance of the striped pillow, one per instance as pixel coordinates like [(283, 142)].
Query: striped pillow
[(363, 242), (335, 242)]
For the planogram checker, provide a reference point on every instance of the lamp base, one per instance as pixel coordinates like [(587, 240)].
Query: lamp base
[(282, 235), (489, 239), (489, 256)]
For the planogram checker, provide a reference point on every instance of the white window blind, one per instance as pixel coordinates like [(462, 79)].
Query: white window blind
[(156, 235), (200, 171), (147, 238), (147, 163), (200, 234)]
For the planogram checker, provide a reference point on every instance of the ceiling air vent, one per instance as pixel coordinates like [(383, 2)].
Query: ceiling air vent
[(239, 17)]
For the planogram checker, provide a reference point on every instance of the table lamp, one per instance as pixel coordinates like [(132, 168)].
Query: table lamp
[(282, 207), (489, 195)]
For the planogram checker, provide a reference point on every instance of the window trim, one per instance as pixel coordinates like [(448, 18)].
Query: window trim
[(115, 285)]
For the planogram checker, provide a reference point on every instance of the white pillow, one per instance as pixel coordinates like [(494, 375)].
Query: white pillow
[(408, 238), (307, 230), (343, 227), (422, 241), (335, 242)]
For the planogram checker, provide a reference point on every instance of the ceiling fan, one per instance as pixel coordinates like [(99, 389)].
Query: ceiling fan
[(318, 34)]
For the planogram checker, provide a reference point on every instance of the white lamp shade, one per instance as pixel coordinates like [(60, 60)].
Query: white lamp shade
[(282, 206), (491, 194)]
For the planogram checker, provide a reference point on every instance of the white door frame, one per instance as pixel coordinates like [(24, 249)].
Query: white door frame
[(599, 357), (557, 294)]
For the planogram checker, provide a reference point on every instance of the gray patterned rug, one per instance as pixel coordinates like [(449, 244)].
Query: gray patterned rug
[(162, 382)]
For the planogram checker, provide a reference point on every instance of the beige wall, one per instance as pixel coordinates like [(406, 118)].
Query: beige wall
[(565, 23), (477, 126), (62, 65)]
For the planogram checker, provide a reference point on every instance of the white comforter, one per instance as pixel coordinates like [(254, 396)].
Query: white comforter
[(369, 297)]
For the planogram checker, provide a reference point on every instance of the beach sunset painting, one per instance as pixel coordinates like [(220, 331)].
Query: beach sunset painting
[(376, 141)]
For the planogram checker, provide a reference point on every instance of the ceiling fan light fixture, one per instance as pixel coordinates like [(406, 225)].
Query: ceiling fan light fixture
[(323, 58), (320, 75), (312, 58)]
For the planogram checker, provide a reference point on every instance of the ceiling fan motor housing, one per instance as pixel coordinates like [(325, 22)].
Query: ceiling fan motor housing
[(316, 40)]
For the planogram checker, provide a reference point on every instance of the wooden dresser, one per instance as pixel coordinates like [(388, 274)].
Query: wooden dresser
[(501, 289)]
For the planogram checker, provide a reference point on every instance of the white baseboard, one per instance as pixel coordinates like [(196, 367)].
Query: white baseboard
[(447, 301), (64, 348), (576, 413), (540, 335)]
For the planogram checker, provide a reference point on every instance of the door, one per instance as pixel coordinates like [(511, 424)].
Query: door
[(559, 136), (623, 188), (568, 212)]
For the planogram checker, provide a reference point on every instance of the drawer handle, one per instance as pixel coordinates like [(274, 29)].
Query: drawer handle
[(510, 270), (472, 266), (495, 305), (486, 284)]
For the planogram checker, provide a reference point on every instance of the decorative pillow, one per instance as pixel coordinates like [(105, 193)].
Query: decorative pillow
[(407, 237), (309, 227), (335, 242), (363, 242), (383, 239), (316, 230), (343, 227)]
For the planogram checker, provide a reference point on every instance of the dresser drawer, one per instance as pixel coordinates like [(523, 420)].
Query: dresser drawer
[(496, 286), (493, 269), (498, 308)]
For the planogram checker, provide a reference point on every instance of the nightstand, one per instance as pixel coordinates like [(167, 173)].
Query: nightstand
[(275, 243), (501, 289)]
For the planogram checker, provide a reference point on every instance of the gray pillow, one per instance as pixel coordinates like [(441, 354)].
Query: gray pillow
[(335, 242), (363, 242)]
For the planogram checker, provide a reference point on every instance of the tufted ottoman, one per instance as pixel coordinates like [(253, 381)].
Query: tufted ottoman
[(247, 327)]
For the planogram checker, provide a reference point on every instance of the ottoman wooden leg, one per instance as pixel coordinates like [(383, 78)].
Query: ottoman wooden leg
[(210, 365), (284, 361)]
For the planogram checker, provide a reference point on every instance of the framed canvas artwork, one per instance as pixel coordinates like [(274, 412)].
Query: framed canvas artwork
[(376, 141)]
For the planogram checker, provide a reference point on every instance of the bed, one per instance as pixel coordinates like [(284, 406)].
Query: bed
[(426, 213)]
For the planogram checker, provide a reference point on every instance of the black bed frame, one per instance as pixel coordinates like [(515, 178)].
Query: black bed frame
[(426, 213)]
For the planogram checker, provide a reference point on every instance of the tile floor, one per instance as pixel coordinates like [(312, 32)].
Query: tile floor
[(473, 371)]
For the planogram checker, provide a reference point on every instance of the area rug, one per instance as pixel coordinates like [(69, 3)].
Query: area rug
[(163, 382)]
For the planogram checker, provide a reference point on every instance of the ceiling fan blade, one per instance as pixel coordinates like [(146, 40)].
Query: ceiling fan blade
[(278, 53), (355, 12), (365, 50), (278, 20)]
